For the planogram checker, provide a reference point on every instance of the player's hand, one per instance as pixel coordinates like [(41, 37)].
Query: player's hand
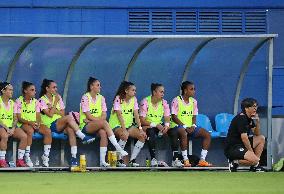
[(190, 129), (11, 132), (165, 129), (143, 134), (160, 127)]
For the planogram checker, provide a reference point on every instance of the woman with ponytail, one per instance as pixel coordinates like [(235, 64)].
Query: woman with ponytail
[(93, 119), (28, 114), (155, 118), (123, 115), (8, 126), (53, 116)]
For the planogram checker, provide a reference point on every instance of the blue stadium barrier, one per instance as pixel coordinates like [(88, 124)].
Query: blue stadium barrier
[(223, 121), (204, 122)]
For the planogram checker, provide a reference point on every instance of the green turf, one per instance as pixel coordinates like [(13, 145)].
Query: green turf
[(141, 182)]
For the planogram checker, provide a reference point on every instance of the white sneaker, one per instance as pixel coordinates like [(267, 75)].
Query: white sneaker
[(104, 164), (154, 162), (120, 163), (133, 163), (45, 160), (29, 162), (122, 153), (177, 163)]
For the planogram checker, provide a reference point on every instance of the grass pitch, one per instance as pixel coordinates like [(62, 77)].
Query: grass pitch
[(141, 182)]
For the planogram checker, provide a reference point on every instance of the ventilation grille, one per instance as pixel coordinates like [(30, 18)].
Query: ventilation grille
[(196, 22)]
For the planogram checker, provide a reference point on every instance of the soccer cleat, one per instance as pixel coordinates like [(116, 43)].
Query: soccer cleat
[(3, 164), (186, 163), (279, 165), (233, 166), (162, 164), (88, 139), (203, 163), (133, 163), (104, 164), (177, 163), (257, 169), (154, 162), (29, 162), (74, 162), (45, 160), (120, 163), (122, 153), (21, 163)]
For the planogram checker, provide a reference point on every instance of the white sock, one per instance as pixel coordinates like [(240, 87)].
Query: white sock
[(46, 150), (80, 134), (103, 151), (184, 154), (74, 151), (28, 151), (256, 164), (114, 142), (21, 154), (203, 154), (122, 144), (2, 155), (138, 146)]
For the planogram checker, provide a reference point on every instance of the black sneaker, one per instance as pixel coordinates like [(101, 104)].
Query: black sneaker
[(233, 166), (257, 169)]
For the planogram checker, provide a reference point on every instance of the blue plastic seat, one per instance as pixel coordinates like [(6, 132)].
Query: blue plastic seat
[(222, 122), (61, 136), (37, 135), (204, 122)]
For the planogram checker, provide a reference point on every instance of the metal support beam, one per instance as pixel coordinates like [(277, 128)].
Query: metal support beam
[(193, 56), (269, 105), (72, 66), (244, 71), (17, 56), (135, 56)]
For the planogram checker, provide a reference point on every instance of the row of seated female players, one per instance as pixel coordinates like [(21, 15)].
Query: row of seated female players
[(20, 119)]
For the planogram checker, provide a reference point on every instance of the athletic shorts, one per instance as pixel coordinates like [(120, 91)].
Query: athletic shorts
[(84, 130), (236, 152), (193, 134), (53, 127)]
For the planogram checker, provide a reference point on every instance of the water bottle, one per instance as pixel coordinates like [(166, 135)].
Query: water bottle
[(148, 162), (83, 163)]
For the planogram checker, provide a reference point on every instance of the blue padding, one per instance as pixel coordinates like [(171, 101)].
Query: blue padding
[(204, 122), (37, 135), (223, 121), (59, 136)]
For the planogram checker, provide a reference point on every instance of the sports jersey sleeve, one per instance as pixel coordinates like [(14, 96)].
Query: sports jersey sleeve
[(136, 107), (38, 108), (195, 109), (85, 104), (104, 107), (43, 105), (143, 108), (166, 106), (116, 103), (61, 103), (17, 106), (174, 106)]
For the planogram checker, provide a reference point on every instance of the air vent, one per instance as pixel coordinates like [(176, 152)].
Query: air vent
[(255, 22), (186, 21), (139, 22), (208, 22), (232, 22), (162, 21)]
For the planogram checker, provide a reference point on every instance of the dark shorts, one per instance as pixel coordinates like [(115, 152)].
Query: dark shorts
[(53, 127), (193, 134), (84, 130), (236, 152)]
